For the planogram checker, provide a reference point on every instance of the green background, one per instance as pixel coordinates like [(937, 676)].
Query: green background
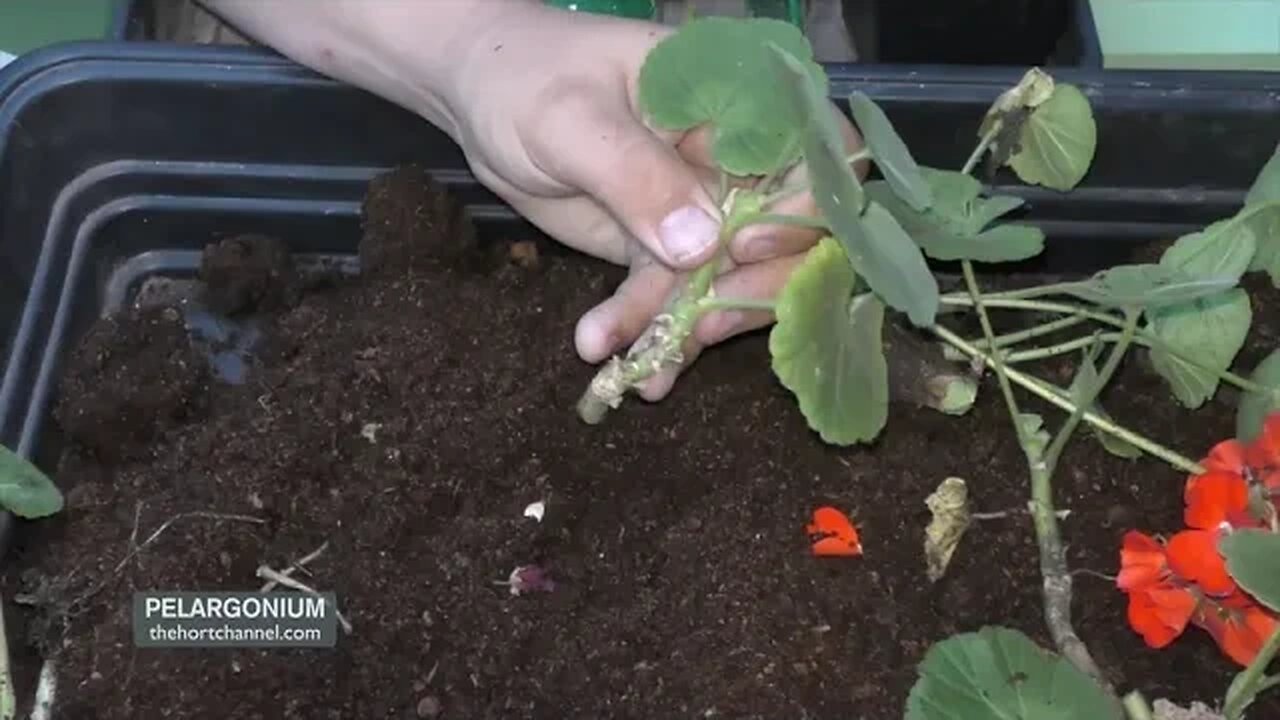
[(29, 24)]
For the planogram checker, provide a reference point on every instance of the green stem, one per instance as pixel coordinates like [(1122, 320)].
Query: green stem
[(662, 343), (1014, 338), (787, 191), (1059, 398), (711, 303), (976, 156), (1142, 337), (1091, 394), (1060, 348), (1252, 680), (1136, 707), (1053, 556), (1015, 416)]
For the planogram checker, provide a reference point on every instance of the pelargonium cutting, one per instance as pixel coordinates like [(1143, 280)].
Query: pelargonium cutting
[(864, 322)]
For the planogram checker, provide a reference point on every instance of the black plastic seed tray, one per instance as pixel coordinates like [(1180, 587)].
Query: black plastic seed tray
[(119, 162)]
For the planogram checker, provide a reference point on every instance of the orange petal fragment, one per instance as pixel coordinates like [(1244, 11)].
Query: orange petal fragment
[(832, 534), (1213, 498), (1193, 556), (1142, 562)]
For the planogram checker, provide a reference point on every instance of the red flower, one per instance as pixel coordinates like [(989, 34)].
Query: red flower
[(1185, 580), (1238, 625), (1159, 606)]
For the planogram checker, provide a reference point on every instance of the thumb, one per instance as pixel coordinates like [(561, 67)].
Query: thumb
[(600, 149)]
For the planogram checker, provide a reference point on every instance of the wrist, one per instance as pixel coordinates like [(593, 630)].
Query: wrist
[(405, 52)]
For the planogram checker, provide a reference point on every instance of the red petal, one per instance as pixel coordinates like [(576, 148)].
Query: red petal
[(1227, 456), (1142, 561), (1263, 454), (1145, 619), (1213, 497), (1193, 556), (1240, 633), (1174, 605)]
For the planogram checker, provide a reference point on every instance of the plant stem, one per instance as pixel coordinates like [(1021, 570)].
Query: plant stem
[(662, 343), (718, 303), (1059, 348), (659, 346), (1014, 338), (1059, 398), (1089, 396), (1015, 416), (1053, 557), (976, 156), (787, 191), (1136, 707), (1252, 680), (1142, 337), (8, 705)]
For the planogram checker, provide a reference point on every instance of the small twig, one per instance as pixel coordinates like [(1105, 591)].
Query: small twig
[(42, 708), (136, 549), (269, 574), (1002, 514), (1093, 573), (297, 565)]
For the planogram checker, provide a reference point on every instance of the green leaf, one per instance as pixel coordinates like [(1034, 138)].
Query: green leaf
[(1255, 407), (827, 348), (1253, 561), (1266, 186), (1146, 285), (1057, 141), (953, 228), (884, 254), (25, 491), (1000, 674), (711, 70), (1086, 378), (1208, 332), (890, 152), (1224, 249)]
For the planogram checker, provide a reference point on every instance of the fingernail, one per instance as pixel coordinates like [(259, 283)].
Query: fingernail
[(688, 232)]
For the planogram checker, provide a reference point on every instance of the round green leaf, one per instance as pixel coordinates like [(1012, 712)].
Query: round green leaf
[(1253, 561), (1224, 249), (890, 153), (827, 348), (1057, 140), (1146, 285), (1206, 335), (1255, 407), (883, 252), (716, 70), (25, 491), (1000, 674)]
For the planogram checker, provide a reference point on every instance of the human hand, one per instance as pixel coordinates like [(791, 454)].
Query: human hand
[(555, 130), (544, 103)]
